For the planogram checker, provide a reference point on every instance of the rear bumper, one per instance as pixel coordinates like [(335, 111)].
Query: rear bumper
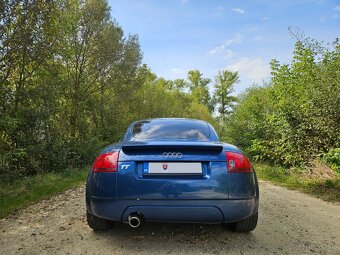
[(185, 211)]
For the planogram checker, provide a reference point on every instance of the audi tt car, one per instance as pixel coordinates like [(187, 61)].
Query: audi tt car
[(172, 170)]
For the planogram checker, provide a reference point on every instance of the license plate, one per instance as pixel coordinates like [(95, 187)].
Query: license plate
[(172, 168)]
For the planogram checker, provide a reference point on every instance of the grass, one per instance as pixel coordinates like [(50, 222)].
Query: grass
[(24, 192), (327, 189)]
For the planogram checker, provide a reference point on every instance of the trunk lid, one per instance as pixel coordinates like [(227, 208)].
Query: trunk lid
[(194, 170)]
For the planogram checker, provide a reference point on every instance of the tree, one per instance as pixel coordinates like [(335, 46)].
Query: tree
[(224, 85), (64, 65), (28, 43), (295, 118), (198, 86)]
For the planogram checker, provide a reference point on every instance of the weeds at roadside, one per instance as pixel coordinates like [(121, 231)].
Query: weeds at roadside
[(26, 191), (326, 188)]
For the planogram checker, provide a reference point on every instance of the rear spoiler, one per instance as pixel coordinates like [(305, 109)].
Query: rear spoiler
[(137, 147)]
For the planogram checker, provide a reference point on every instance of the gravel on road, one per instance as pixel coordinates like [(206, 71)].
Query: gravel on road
[(289, 223)]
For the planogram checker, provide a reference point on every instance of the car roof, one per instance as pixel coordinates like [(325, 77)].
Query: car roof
[(174, 119)]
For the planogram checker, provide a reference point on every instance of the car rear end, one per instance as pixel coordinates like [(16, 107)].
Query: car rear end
[(172, 180)]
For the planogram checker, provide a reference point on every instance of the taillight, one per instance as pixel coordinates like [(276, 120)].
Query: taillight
[(238, 163), (107, 162)]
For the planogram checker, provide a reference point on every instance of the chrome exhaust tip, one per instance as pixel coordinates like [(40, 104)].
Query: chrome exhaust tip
[(134, 220)]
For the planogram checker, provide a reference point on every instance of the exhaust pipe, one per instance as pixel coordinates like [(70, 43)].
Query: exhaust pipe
[(135, 220)]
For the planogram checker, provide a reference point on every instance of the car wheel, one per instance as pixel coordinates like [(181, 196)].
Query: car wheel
[(246, 225), (96, 223)]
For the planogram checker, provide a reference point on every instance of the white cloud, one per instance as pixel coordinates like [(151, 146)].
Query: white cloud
[(177, 71), (228, 53), (235, 40), (184, 1), (238, 10), (223, 48), (337, 8), (265, 18), (254, 69)]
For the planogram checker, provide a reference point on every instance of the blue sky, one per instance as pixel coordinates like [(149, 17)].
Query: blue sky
[(181, 35)]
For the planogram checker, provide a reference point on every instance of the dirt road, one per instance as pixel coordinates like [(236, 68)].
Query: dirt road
[(289, 223)]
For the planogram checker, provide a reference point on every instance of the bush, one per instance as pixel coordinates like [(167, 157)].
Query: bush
[(332, 159), (295, 117)]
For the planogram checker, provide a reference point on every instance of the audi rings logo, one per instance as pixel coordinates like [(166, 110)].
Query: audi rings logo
[(172, 155)]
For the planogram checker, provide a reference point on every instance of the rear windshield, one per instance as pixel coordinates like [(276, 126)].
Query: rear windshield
[(170, 130)]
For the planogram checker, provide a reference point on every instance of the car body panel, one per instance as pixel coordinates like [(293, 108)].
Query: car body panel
[(212, 197), (212, 184), (202, 211)]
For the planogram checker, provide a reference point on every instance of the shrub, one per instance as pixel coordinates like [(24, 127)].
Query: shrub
[(332, 159)]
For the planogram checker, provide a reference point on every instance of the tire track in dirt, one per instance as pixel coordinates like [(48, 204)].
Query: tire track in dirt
[(289, 223)]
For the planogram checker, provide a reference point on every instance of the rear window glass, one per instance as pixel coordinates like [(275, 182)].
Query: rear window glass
[(170, 130)]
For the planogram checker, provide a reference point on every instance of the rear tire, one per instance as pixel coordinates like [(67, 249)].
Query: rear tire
[(98, 224), (246, 225)]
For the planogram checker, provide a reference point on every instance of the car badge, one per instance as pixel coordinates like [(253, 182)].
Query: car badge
[(172, 155), (165, 167)]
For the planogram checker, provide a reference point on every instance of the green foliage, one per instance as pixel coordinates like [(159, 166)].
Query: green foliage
[(198, 86), (328, 189), (71, 82), (223, 100), (295, 117), (20, 193), (332, 158), (224, 86)]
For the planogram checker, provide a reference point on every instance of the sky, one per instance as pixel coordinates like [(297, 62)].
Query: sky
[(181, 35)]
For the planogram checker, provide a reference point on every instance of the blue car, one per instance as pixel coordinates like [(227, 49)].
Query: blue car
[(172, 170)]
